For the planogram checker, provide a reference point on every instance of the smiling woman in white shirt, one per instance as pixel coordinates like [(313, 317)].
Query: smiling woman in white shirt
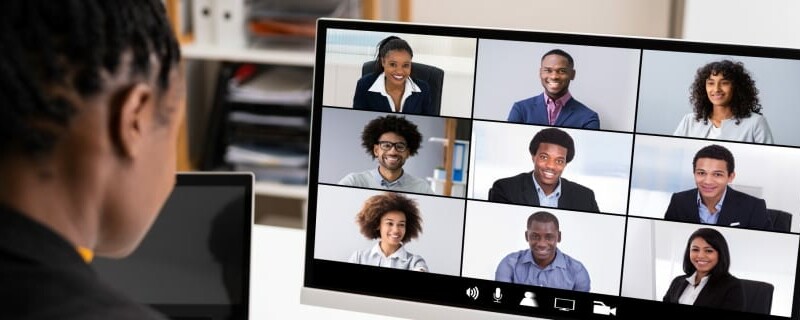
[(707, 281), (726, 106), (390, 87), (393, 219)]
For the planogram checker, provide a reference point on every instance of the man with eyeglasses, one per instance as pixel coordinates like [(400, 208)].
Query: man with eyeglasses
[(542, 264), (391, 140), (555, 106)]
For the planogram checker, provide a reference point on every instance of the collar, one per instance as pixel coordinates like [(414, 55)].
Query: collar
[(379, 85), (559, 261), (703, 280), (718, 205), (376, 251), (560, 101), (376, 174), (556, 191)]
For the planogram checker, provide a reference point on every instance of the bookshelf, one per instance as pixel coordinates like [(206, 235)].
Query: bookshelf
[(277, 56)]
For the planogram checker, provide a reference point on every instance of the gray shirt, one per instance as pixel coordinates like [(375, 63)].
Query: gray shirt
[(750, 129), (373, 179)]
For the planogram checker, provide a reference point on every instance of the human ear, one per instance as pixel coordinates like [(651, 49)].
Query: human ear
[(134, 114)]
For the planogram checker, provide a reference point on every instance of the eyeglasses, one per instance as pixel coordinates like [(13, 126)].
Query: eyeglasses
[(388, 145)]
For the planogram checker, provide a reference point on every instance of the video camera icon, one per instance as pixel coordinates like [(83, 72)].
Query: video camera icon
[(602, 308)]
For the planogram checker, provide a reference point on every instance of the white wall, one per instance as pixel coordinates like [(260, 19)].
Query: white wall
[(771, 23), (624, 17)]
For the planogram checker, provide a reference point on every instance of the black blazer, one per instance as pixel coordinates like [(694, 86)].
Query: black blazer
[(520, 189), (724, 292), (43, 277), (417, 102), (738, 210)]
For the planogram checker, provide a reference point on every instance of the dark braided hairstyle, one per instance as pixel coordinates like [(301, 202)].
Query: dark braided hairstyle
[(52, 49)]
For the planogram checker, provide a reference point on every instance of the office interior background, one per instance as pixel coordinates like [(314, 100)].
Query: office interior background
[(773, 23)]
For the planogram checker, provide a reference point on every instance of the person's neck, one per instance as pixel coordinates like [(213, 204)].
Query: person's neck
[(547, 189), (388, 249), (711, 203), (719, 114), (51, 198), (390, 175), (543, 263), (699, 277), (391, 87)]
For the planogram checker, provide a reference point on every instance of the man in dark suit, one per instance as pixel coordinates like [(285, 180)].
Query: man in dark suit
[(555, 106), (551, 150), (713, 201)]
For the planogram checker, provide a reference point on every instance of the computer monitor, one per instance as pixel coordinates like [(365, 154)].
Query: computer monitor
[(194, 263), (589, 176)]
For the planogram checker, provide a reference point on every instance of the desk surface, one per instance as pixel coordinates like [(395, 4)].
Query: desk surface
[(276, 276)]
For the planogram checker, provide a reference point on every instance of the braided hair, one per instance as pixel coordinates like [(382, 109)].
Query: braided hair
[(53, 50)]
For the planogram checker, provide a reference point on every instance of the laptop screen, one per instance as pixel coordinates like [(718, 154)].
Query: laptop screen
[(195, 260), (553, 175)]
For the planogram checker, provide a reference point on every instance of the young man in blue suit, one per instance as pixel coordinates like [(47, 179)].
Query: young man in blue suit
[(555, 106), (713, 201), (551, 150)]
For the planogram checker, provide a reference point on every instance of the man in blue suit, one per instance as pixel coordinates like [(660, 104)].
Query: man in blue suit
[(713, 201), (555, 106)]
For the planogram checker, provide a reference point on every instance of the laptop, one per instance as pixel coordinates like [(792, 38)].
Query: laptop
[(195, 261)]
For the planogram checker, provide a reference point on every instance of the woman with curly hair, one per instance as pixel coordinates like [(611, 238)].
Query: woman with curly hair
[(726, 107), (393, 219)]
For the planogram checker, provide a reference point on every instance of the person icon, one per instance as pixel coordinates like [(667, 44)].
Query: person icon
[(529, 300)]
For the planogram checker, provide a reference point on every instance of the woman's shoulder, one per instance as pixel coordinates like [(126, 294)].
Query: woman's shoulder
[(368, 79)]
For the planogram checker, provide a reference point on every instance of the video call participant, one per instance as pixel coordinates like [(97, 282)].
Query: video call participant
[(551, 150), (707, 281), (391, 140), (543, 264), (390, 88), (393, 219), (726, 106), (713, 201), (555, 106), (92, 97)]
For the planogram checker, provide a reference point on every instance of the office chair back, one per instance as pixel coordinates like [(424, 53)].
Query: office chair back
[(781, 220), (757, 296), (434, 76)]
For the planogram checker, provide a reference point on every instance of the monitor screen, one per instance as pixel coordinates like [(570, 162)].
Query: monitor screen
[(194, 262), (510, 173)]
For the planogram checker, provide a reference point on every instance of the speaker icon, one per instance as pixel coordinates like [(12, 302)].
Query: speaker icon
[(473, 293)]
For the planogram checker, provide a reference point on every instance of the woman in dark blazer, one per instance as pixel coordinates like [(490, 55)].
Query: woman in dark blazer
[(390, 88), (707, 281)]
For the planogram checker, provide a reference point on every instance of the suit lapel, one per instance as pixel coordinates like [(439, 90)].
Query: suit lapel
[(529, 194), (728, 213), (565, 113), (540, 113)]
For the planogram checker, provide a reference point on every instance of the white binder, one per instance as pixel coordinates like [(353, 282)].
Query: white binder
[(203, 13), (229, 17)]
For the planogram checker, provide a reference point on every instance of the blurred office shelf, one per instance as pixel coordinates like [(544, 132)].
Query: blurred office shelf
[(274, 56), (276, 189)]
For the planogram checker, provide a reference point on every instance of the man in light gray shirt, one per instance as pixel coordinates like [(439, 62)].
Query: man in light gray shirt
[(391, 140)]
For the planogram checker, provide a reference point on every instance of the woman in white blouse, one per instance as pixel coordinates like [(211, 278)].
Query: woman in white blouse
[(706, 281), (393, 219), (726, 106)]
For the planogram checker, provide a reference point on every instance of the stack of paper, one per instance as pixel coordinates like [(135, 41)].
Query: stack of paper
[(277, 85)]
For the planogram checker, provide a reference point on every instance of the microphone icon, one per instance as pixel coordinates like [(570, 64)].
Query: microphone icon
[(497, 295)]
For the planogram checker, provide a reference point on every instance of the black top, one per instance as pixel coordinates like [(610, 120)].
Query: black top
[(520, 189), (417, 102), (42, 276), (721, 291)]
